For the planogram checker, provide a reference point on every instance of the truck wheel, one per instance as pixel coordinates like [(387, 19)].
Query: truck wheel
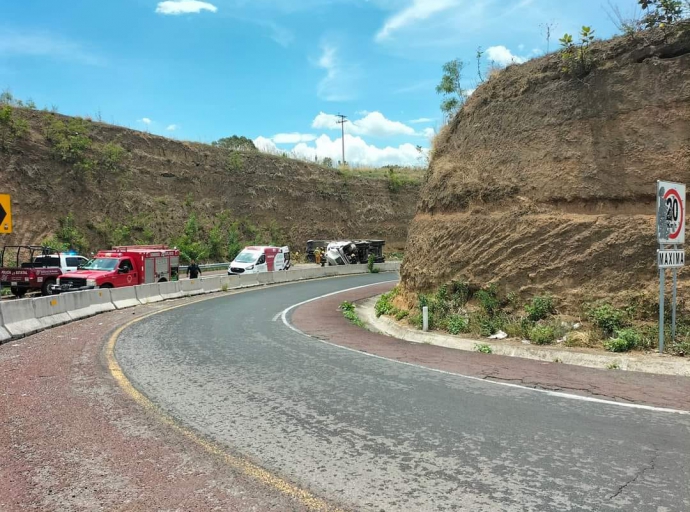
[(18, 292), (45, 289), (106, 286), (164, 280)]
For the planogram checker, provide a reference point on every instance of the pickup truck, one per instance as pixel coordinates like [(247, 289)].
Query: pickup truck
[(25, 268)]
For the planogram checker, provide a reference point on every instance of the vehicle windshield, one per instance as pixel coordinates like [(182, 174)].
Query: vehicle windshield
[(247, 257), (101, 264)]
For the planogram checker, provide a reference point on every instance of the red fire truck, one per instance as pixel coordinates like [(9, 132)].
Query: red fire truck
[(123, 266)]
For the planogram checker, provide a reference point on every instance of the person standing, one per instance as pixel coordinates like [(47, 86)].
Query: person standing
[(317, 255), (193, 270)]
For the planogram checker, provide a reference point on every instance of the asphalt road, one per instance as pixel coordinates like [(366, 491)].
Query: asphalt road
[(373, 434)]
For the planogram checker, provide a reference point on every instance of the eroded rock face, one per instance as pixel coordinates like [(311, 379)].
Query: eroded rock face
[(544, 183), (161, 182)]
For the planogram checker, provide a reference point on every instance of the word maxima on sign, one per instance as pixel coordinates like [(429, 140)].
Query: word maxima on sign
[(671, 258)]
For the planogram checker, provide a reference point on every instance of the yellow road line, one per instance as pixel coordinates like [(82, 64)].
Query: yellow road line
[(248, 468)]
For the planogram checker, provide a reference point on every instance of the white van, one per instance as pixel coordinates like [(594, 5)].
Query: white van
[(257, 259)]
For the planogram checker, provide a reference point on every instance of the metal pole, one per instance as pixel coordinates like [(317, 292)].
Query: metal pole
[(661, 310), (673, 310), (425, 318)]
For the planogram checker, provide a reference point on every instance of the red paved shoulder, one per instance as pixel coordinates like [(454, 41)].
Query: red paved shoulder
[(323, 319)]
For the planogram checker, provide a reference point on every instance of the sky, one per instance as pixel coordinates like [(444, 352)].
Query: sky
[(276, 71)]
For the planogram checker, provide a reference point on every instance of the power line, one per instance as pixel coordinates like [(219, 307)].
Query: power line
[(341, 122)]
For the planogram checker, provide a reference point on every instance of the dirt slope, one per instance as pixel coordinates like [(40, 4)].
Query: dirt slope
[(544, 183), (160, 182)]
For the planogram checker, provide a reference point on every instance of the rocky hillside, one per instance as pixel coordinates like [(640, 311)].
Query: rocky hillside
[(124, 186), (545, 182)]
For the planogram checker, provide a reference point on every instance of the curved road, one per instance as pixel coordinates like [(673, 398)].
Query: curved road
[(373, 434)]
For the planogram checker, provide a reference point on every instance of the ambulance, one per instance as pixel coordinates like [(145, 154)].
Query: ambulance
[(257, 259)]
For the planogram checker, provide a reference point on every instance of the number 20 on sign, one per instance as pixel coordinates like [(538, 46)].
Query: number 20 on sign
[(670, 202)]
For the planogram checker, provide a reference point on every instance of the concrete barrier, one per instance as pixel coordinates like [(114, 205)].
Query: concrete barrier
[(87, 303), (232, 282), (19, 318), (51, 311), (170, 290), (248, 280), (191, 287), (266, 278), (125, 297), (148, 293), (281, 276), (211, 284)]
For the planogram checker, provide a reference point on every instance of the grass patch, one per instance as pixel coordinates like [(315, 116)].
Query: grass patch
[(483, 348), (348, 309)]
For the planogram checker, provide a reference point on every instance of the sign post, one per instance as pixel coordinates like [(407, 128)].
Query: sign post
[(670, 234)]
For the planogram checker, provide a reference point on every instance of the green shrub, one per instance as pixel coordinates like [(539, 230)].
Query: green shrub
[(461, 294), (401, 314), (384, 306), (457, 324), (111, 156), (607, 318), (70, 141), (11, 128), (542, 335), (416, 321), (488, 300), (348, 309), (347, 306), (518, 327), (235, 161), (540, 308), (370, 265), (624, 341), (483, 348)]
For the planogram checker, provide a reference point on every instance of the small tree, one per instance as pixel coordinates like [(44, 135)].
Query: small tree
[(235, 143), (328, 162), (577, 58), (660, 13), (454, 95)]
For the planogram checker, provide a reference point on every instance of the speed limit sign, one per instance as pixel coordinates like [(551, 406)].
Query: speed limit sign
[(670, 207)]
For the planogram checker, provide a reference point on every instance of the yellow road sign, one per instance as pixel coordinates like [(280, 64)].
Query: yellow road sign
[(5, 214)]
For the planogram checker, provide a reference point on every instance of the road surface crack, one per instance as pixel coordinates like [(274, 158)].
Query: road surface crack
[(634, 479)]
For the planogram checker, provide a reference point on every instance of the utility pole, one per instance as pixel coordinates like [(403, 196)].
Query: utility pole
[(341, 122)]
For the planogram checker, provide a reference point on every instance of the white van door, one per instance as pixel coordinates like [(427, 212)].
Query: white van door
[(279, 263), (261, 265)]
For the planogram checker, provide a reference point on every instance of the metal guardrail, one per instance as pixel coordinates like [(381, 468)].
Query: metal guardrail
[(208, 266)]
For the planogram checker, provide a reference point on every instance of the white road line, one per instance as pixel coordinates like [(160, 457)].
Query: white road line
[(558, 394)]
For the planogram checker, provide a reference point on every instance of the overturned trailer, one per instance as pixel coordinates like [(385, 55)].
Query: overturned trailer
[(354, 252)]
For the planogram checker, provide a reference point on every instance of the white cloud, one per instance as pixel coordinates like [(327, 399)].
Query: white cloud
[(44, 44), (421, 120), (145, 120), (469, 92), (373, 124), (358, 152), (293, 138), (503, 56), (337, 85), (419, 10), (266, 145), (171, 127), (429, 132), (184, 7)]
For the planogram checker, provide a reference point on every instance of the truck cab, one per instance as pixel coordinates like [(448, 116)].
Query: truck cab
[(34, 268), (257, 259)]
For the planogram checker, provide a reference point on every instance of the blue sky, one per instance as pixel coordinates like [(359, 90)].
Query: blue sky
[(273, 70)]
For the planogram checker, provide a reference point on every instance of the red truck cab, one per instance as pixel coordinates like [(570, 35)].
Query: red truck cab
[(123, 266), (32, 268)]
